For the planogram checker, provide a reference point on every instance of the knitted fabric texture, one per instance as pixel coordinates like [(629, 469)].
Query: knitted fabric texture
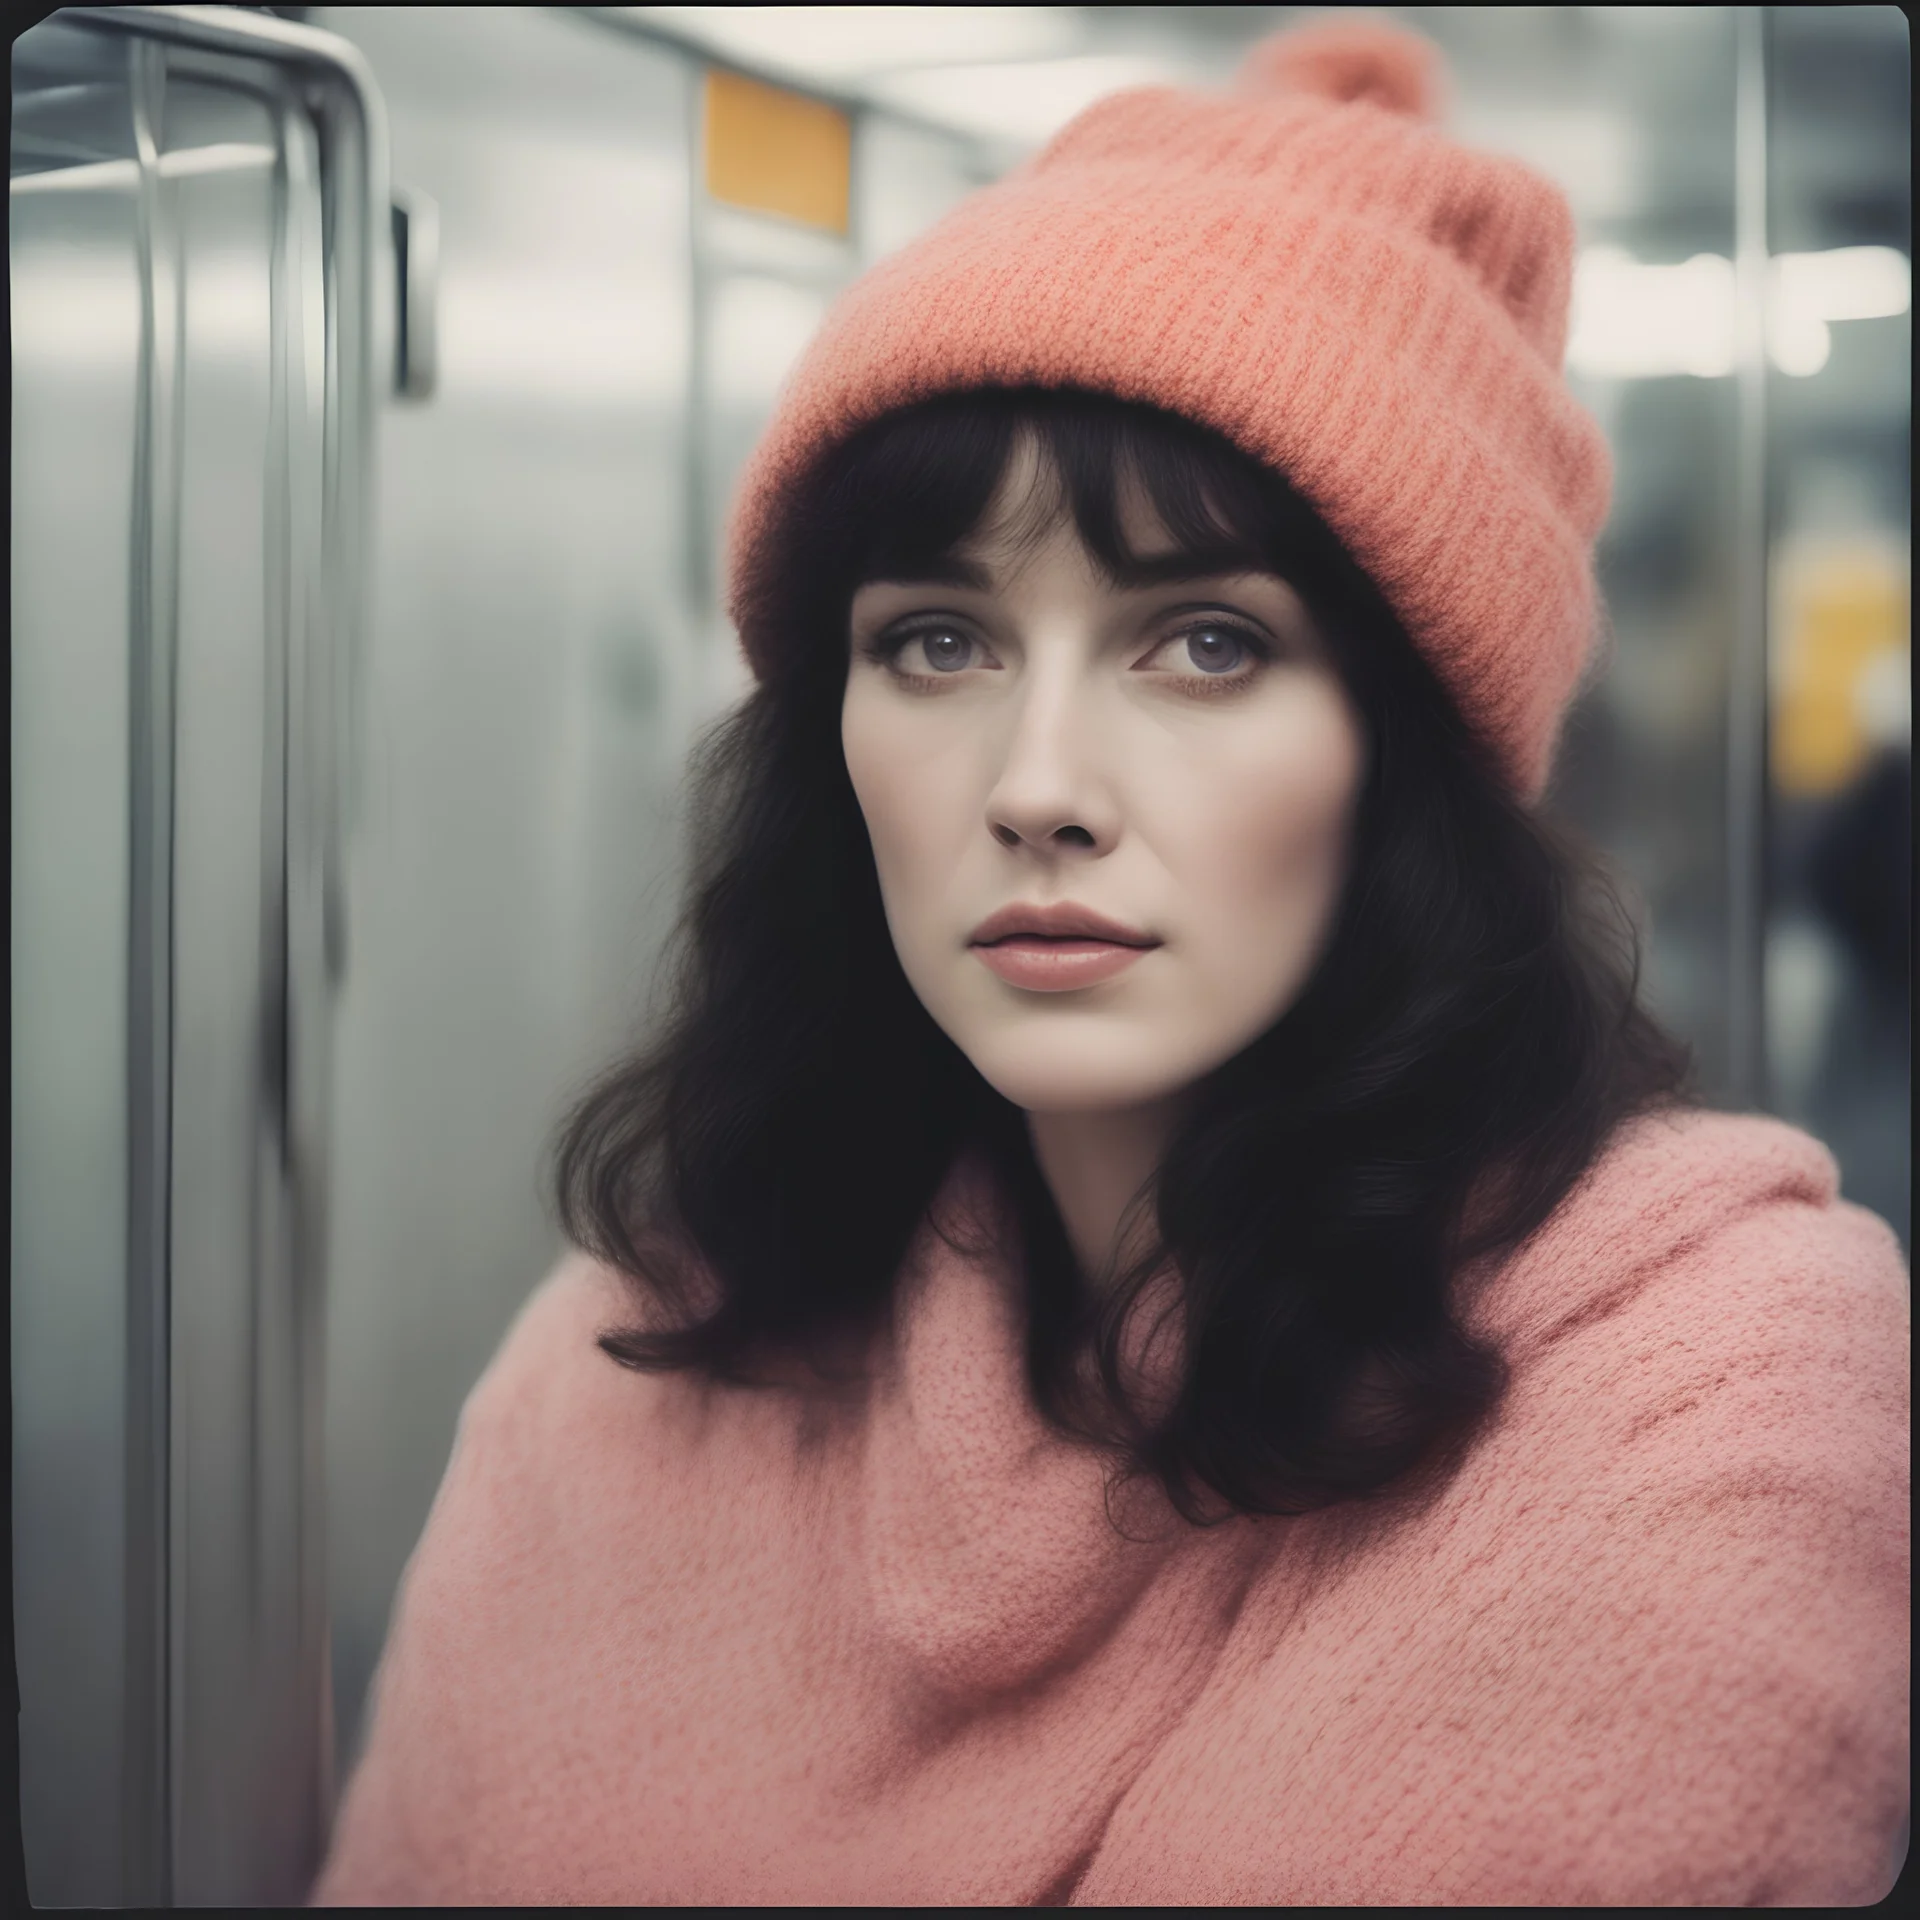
[(1312, 269), (666, 1644)]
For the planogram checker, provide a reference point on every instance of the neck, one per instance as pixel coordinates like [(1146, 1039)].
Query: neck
[(1095, 1164)]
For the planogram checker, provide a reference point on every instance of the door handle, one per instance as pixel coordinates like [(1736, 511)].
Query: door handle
[(416, 280)]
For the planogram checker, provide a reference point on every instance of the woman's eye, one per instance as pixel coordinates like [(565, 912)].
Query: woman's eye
[(944, 650), (1212, 650)]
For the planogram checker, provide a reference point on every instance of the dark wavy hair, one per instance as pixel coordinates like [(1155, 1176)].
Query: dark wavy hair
[(1468, 1040)]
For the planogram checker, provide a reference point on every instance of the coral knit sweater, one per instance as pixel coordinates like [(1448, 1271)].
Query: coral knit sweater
[(667, 1644)]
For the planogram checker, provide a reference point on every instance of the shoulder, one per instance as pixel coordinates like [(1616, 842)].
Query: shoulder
[(550, 1358), (559, 1445), (1700, 1484), (546, 1402), (1688, 1216), (1705, 1319)]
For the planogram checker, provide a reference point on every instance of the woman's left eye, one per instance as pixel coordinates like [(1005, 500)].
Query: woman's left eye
[(1213, 649)]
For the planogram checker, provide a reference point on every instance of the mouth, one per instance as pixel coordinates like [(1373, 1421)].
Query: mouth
[(1055, 949)]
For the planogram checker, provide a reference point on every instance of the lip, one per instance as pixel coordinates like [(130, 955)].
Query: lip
[(1064, 921), (1056, 949)]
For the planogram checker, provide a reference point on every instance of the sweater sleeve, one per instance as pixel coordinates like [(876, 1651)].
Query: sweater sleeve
[(1651, 1647)]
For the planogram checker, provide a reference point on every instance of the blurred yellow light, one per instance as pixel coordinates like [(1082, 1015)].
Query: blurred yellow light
[(1841, 612)]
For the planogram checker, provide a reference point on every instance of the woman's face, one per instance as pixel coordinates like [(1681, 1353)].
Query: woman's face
[(1110, 823)]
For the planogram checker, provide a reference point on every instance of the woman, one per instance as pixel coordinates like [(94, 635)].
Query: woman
[(1179, 1341)]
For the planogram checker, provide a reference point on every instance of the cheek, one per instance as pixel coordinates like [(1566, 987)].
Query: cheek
[(1263, 849), (913, 802)]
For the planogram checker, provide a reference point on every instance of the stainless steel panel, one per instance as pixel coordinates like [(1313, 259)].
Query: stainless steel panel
[(76, 293), (761, 288), (240, 359), (905, 176), (532, 673)]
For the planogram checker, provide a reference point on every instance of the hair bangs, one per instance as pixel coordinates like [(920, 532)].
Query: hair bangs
[(923, 486)]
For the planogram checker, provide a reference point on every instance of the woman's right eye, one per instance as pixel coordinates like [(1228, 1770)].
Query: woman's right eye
[(941, 649)]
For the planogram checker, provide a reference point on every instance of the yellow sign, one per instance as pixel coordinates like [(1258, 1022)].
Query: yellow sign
[(777, 152)]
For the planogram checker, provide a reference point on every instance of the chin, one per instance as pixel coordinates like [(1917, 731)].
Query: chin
[(1083, 1073)]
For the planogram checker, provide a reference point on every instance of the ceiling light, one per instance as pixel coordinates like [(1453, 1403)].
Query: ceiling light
[(1022, 104), (836, 45), (1845, 283), (1636, 321)]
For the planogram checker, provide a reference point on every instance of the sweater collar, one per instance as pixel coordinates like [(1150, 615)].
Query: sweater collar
[(989, 1551)]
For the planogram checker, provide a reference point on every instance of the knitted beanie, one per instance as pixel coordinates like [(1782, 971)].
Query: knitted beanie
[(1311, 268)]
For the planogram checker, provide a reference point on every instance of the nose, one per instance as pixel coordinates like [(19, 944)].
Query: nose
[(1049, 795)]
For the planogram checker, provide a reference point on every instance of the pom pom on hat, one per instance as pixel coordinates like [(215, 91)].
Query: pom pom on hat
[(1344, 61)]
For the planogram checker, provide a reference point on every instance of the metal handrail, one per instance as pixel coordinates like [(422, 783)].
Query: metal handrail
[(317, 640)]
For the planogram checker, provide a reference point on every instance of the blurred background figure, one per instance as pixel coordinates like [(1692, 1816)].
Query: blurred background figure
[(380, 380)]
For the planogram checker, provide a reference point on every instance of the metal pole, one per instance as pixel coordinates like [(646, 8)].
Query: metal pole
[(702, 581), (1747, 668)]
